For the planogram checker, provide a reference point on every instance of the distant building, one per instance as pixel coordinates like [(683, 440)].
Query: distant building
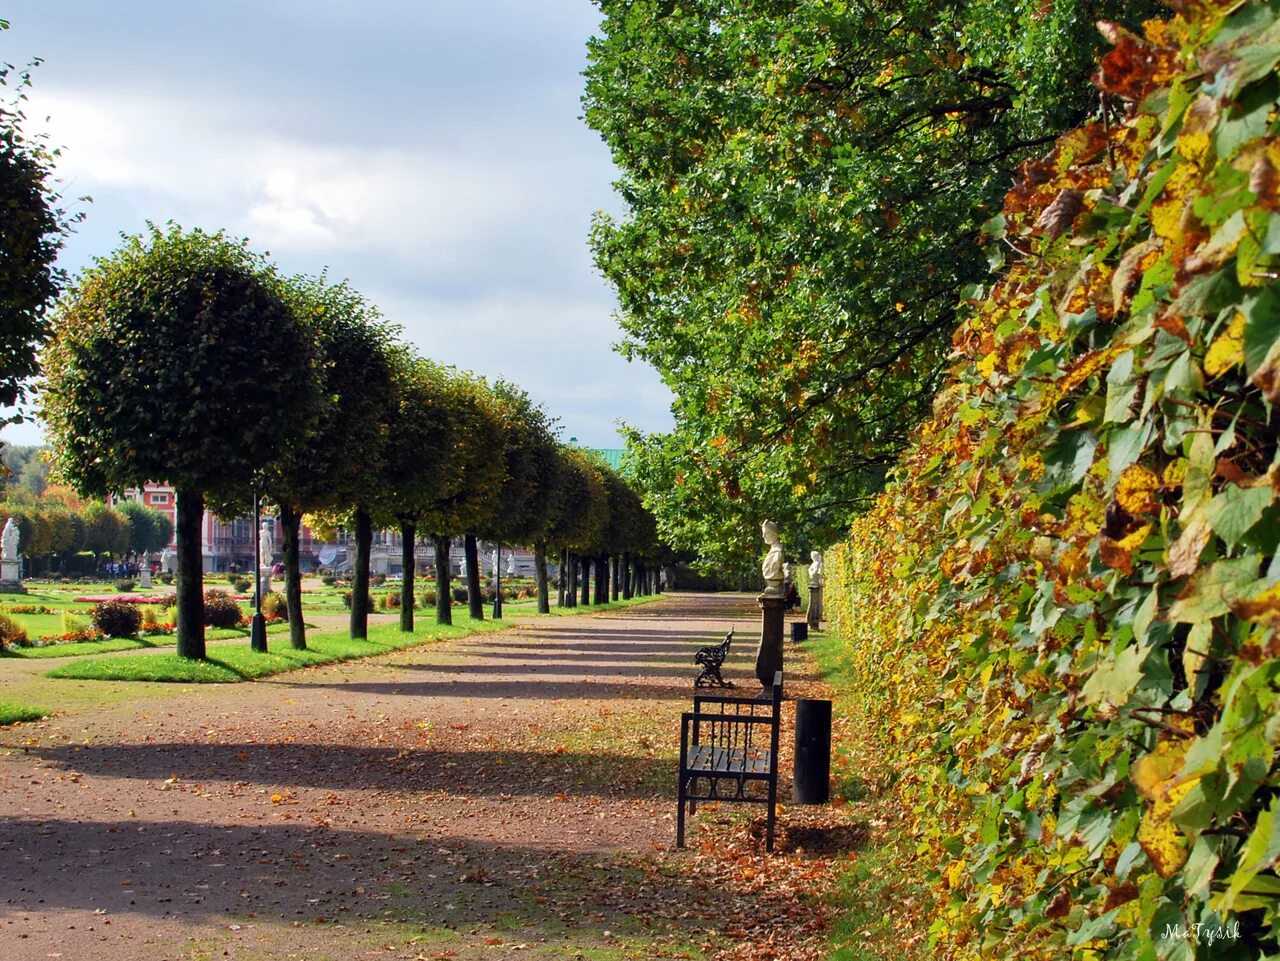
[(224, 543)]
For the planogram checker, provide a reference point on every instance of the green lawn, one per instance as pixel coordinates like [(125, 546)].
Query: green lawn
[(13, 713), (226, 665), (110, 645)]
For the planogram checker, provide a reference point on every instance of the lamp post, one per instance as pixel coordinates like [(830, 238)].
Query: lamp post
[(258, 626), (497, 585)]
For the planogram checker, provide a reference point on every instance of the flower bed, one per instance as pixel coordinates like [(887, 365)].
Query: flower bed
[(131, 599), (72, 637)]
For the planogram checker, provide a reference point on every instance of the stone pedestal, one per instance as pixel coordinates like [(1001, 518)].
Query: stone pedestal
[(144, 575), (11, 577), (814, 616), (769, 656), (264, 577)]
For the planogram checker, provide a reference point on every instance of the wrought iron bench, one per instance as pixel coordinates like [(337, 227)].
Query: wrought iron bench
[(734, 741), (712, 658)]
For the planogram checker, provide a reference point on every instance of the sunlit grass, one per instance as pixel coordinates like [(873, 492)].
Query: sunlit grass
[(229, 664)]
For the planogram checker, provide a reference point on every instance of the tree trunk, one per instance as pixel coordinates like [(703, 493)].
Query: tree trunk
[(571, 571), (444, 595), (586, 580), (475, 600), (563, 580), (615, 578), (291, 527), (360, 576), (540, 576), (641, 584), (602, 579), (190, 575), (408, 537), (627, 591)]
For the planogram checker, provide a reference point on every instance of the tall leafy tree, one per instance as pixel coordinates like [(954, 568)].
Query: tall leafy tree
[(149, 529), (527, 499), (581, 515), (444, 467), (195, 318), (32, 229), (805, 182), (338, 460)]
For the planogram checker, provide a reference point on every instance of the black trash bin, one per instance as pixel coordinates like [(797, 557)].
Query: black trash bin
[(811, 782), (799, 631)]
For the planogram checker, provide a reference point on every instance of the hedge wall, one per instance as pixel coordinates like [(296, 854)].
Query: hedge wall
[(1067, 598)]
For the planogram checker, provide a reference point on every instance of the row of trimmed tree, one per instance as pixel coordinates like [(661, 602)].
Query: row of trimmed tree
[(186, 358), (51, 533)]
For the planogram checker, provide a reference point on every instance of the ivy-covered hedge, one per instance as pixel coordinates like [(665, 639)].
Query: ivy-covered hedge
[(1065, 605)]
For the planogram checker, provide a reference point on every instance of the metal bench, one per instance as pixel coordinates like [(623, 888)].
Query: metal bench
[(730, 741), (712, 659)]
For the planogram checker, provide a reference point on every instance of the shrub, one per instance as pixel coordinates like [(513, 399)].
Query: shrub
[(232, 576), (73, 623), (459, 595), (242, 585), (328, 580), (117, 619), (166, 578), (275, 606), (221, 609), (346, 601), (427, 598), (12, 634), (125, 586), (1061, 613), (377, 580), (149, 619)]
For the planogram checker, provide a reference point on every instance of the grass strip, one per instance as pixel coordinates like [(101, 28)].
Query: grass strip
[(594, 608), (228, 665), (878, 890), (13, 713), (109, 646)]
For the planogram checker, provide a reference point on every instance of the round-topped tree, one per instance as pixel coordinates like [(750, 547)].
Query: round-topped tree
[(193, 323)]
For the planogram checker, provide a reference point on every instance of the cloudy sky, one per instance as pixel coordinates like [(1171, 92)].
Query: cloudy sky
[(428, 150)]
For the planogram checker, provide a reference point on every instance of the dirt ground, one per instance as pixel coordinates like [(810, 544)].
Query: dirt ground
[(506, 795)]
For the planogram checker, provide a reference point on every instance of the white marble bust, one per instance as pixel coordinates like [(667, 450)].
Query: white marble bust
[(815, 569), (9, 541), (772, 568)]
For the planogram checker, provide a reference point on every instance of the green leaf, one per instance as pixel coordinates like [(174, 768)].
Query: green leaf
[(1258, 854), (1261, 328), (1211, 590), (1234, 511), (1113, 681)]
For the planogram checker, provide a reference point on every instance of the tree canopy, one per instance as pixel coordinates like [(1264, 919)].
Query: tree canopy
[(32, 229), (176, 359), (805, 184)]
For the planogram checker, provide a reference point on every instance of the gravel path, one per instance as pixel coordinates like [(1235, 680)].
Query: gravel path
[(506, 794)]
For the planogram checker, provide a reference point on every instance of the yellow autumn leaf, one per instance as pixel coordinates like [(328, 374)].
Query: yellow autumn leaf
[(1160, 839), (1135, 489), (1152, 772), (1227, 350)]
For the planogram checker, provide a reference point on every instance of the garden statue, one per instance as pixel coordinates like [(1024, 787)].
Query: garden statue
[(815, 569), (9, 541), (10, 562), (815, 589), (772, 604), (169, 561), (266, 543), (511, 564), (266, 547), (773, 568)]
